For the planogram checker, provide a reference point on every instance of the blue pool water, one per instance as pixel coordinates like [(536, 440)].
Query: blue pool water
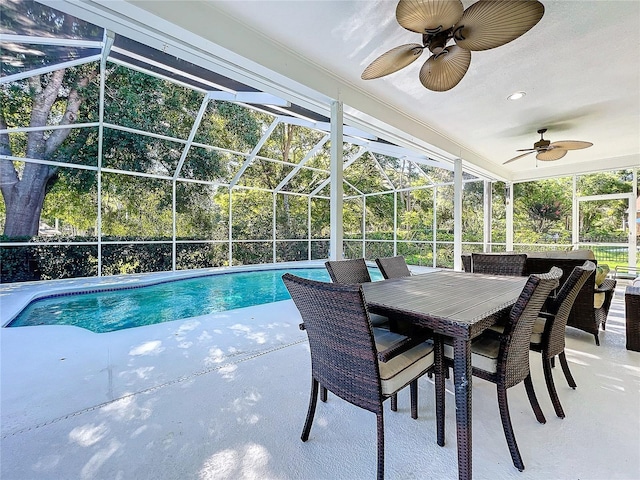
[(110, 310)]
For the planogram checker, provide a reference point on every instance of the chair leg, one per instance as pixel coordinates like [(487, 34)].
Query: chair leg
[(597, 339), (508, 428), (565, 369), (533, 400), (380, 423), (413, 388), (551, 388), (312, 410), (323, 394), (394, 402)]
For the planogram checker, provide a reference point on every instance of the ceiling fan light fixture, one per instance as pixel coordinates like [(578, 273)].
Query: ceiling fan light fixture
[(516, 95)]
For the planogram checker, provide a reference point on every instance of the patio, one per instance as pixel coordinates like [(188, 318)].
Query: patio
[(224, 396)]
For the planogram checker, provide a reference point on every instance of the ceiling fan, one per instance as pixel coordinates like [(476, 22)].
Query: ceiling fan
[(485, 24), (548, 151)]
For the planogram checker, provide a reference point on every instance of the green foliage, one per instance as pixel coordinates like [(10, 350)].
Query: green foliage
[(605, 182), (252, 214), (540, 207), (17, 264), (135, 258), (66, 261), (74, 208), (201, 255), (291, 217)]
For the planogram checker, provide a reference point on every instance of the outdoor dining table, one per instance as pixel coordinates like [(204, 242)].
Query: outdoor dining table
[(456, 305)]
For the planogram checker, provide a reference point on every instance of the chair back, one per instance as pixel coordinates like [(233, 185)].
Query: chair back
[(348, 271), (343, 352), (513, 361), (561, 306), (393, 267), (510, 264)]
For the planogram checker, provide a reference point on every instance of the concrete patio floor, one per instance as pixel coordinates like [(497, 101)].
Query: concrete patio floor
[(224, 396)]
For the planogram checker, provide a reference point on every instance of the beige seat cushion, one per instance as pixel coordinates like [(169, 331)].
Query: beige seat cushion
[(536, 334), (484, 353), (598, 300), (538, 330), (401, 370), (601, 273)]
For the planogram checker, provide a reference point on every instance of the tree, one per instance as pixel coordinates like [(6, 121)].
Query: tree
[(24, 187), (542, 206), (54, 98)]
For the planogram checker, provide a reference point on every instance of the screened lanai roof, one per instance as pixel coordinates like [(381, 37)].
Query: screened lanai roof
[(61, 40)]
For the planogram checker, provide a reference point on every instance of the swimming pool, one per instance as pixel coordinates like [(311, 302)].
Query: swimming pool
[(107, 310)]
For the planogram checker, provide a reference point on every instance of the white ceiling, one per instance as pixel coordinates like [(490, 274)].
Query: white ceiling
[(580, 68)]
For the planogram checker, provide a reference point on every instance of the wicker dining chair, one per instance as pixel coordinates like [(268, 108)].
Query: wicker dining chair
[(361, 365), (548, 333), (353, 272), (548, 336), (393, 267), (504, 360), (512, 264), (348, 271)]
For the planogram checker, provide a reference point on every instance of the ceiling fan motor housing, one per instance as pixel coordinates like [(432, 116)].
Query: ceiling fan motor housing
[(541, 144)]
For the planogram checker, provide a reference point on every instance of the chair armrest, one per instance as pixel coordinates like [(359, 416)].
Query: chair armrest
[(606, 286), (402, 346)]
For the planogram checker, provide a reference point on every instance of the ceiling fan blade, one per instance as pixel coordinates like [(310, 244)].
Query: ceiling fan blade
[(571, 144), (392, 61), (489, 24), (526, 150), (552, 154), (518, 157), (422, 16), (444, 71)]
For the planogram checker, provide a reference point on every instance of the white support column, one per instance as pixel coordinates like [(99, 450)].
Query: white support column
[(174, 221), (364, 226), (434, 228), (395, 222), (575, 213), (457, 214), (230, 232), (274, 251), (336, 239), (488, 215), (633, 223), (309, 233), (509, 214)]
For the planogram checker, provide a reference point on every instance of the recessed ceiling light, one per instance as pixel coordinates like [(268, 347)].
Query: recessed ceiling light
[(516, 96)]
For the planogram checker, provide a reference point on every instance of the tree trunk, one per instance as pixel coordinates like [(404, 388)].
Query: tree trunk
[(24, 194), (24, 201)]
